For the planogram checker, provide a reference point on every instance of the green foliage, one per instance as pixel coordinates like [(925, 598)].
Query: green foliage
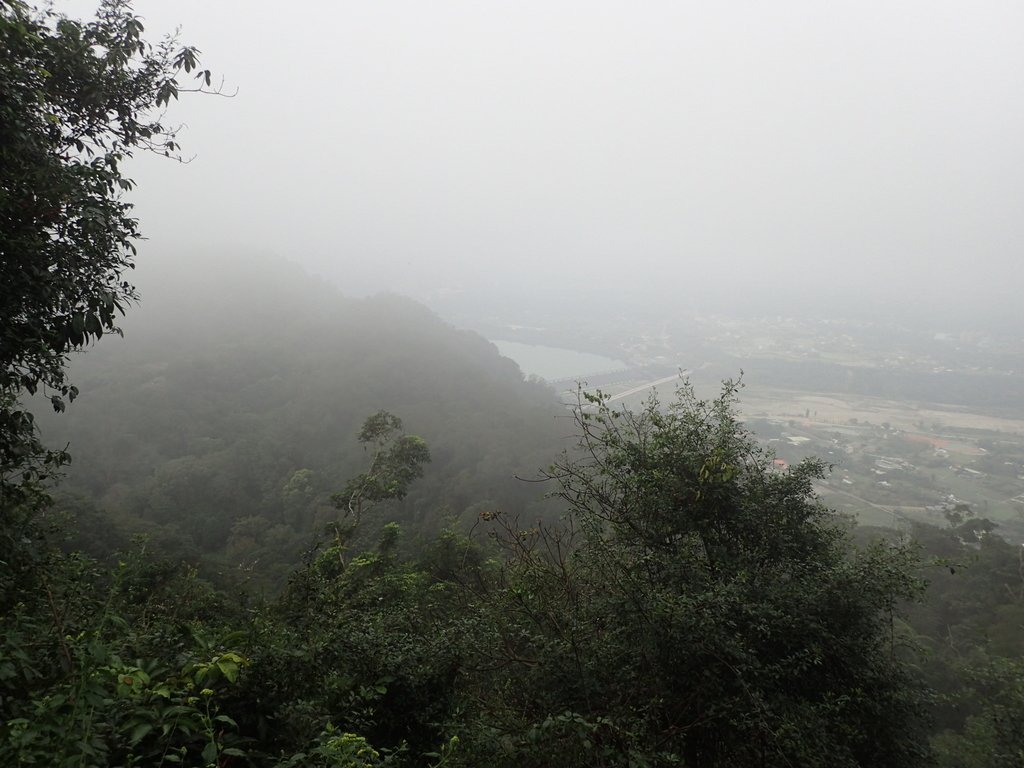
[(78, 98), (338, 750), (369, 646), (971, 626), (994, 736), (695, 607), (116, 668), (397, 460), (698, 608)]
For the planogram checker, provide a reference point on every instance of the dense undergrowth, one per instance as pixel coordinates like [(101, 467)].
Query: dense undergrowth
[(692, 607)]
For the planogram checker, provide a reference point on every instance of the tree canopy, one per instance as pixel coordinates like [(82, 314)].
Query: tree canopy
[(697, 608), (397, 460), (76, 100)]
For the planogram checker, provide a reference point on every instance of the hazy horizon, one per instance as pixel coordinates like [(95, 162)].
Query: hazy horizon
[(799, 156)]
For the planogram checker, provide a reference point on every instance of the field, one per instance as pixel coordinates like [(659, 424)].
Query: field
[(825, 410), (899, 461)]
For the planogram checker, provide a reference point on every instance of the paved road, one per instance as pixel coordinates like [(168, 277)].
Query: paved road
[(648, 385), (823, 489)]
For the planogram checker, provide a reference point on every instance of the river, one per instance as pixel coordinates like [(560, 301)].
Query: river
[(553, 363)]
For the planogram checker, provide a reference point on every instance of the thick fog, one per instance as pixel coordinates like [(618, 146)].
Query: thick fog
[(805, 154)]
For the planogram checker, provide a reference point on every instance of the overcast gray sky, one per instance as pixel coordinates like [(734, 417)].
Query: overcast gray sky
[(868, 148)]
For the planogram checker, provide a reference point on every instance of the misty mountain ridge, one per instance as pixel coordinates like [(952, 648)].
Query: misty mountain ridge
[(230, 380)]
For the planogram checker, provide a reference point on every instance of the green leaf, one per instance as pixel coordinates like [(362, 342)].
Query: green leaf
[(210, 752), (139, 732), (229, 669)]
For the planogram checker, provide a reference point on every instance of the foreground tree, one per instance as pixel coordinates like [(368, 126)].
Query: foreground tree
[(76, 99), (699, 608)]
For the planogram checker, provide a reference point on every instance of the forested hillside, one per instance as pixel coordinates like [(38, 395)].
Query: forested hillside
[(226, 417), (292, 532), (224, 428)]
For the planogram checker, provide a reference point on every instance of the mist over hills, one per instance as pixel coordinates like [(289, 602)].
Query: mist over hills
[(240, 370), (230, 380), (305, 524), (222, 423)]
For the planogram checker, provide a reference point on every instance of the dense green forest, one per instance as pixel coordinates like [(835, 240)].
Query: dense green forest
[(224, 430), (690, 606), (291, 531)]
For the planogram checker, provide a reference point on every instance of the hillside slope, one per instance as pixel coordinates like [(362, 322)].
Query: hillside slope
[(230, 381)]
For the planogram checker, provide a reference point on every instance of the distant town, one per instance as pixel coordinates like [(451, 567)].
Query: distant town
[(915, 422)]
